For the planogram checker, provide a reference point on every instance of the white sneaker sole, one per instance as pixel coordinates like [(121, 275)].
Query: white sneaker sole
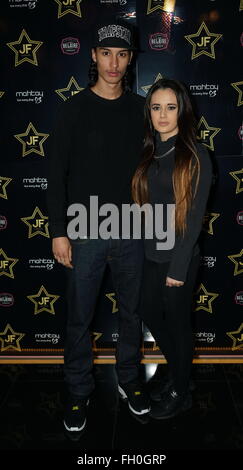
[(75, 429), (124, 397)]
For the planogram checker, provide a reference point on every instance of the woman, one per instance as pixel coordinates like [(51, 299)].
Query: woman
[(175, 170)]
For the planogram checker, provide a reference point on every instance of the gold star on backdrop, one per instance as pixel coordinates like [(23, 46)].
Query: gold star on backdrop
[(111, 297), (206, 133), (203, 39), (239, 87), (154, 5), (68, 6), (6, 267), (42, 301), (4, 181), (237, 337), (237, 262), (147, 87), (11, 339), (25, 47), (209, 218), (239, 179), (70, 90), (205, 299), (96, 336), (31, 139), (37, 224)]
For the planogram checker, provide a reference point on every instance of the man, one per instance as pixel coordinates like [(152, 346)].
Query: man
[(97, 145)]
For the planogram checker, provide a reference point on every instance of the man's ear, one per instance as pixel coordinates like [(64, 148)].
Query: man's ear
[(93, 54)]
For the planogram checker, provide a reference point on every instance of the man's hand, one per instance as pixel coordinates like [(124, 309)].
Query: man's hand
[(62, 251), (173, 283)]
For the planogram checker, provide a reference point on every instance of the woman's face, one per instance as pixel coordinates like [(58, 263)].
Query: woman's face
[(164, 113)]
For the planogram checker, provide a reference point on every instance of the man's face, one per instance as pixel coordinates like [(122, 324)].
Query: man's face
[(111, 62)]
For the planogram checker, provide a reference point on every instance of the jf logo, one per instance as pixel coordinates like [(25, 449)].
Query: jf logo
[(204, 299), (25, 49), (37, 224), (68, 6), (203, 42), (32, 141), (10, 339), (43, 301), (7, 264), (207, 133)]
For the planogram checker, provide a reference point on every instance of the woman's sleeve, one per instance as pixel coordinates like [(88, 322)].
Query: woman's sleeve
[(183, 249)]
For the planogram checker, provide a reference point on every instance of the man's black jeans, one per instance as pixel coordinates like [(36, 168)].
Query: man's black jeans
[(89, 258)]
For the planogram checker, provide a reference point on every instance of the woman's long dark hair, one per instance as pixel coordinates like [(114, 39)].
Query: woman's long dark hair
[(187, 165), (93, 77)]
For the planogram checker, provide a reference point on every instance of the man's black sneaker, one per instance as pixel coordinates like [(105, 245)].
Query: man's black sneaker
[(171, 406), (75, 417), (158, 388), (136, 396)]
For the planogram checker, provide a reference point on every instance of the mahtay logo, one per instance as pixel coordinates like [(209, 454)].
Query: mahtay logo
[(159, 41), (3, 222), (239, 297), (204, 89), (209, 261), (6, 299), (70, 46), (52, 338), (205, 337), (29, 96), (42, 263), (35, 182), (23, 4), (25, 49)]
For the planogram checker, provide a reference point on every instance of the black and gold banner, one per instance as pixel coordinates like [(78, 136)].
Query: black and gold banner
[(45, 49)]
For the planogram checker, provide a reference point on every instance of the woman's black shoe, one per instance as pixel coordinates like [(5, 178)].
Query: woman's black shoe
[(171, 406)]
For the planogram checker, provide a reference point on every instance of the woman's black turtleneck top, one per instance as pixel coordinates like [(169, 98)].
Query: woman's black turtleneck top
[(160, 190)]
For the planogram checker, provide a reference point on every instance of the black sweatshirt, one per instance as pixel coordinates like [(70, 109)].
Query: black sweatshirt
[(161, 192), (96, 147)]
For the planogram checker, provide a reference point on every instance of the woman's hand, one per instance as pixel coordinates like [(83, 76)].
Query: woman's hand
[(173, 282)]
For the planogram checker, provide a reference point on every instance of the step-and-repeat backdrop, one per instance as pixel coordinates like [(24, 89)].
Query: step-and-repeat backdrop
[(45, 56)]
